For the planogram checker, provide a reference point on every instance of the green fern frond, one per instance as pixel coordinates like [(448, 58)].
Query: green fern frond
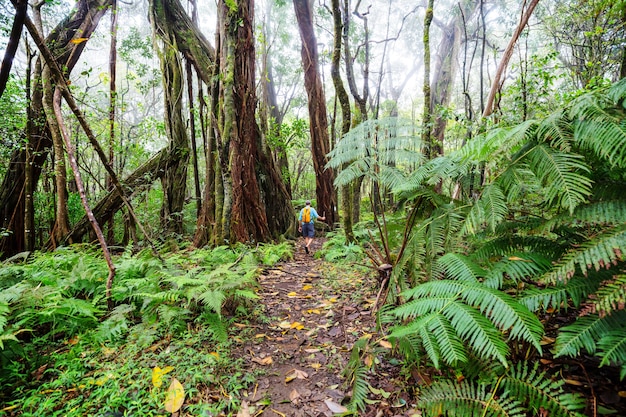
[(476, 313), (360, 389), (490, 209), (461, 268), (465, 399), (612, 347), (213, 299), (557, 296), (516, 267), (585, 332), (215, 325), (599, 252), (538, 392), (610, 297), (560, 173), (599, 213)]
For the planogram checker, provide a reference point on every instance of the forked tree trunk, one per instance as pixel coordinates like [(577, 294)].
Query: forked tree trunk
[(320, 142)]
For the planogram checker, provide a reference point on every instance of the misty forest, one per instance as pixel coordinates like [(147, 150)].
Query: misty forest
[(466, 160)]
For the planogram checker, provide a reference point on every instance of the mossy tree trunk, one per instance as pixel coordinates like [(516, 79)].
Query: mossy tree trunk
[(174, 178)]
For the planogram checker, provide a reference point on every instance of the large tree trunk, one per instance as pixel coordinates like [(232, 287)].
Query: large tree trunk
[(83, 19), (320, 143), (174, 178)]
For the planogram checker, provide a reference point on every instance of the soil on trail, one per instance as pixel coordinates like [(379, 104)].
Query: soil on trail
[(313, 317)]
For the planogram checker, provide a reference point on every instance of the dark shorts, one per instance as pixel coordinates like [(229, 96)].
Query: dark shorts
[(308, 230)]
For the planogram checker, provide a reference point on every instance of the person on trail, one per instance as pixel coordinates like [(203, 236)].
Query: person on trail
[(307, 223)]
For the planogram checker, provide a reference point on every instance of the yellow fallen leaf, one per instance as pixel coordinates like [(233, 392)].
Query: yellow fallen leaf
[(284, 324), (215, 354), (307, 287), (316, 365), (297, 325), (385, 344), (292, 294), (157, 375), (333, 300), (79, 40), (622, 394), (313, 311), (175, 396), (573, 382), (260, 335)]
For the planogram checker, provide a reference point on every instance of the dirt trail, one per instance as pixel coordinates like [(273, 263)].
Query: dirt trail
[(313, 320)]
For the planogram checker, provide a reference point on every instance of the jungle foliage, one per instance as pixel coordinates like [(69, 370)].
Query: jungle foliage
[(480, 270)]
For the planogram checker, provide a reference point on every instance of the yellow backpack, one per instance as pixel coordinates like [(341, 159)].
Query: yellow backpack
[(306, 215)]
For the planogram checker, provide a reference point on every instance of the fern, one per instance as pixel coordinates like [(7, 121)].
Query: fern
[(538, 392), (466, 399), (477, 314), (586, 332), (517, 391), (611, 297), (598, 252), (355, 373)]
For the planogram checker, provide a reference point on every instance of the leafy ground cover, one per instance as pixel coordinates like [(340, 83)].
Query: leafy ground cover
[(295, 335)]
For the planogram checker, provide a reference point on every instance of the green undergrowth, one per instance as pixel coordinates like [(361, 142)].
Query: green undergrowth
[(63, 353)]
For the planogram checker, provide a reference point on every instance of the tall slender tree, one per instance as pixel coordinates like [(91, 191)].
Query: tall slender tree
[(320, 142)]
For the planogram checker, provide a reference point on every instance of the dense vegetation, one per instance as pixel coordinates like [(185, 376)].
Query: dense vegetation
[(495, 215)]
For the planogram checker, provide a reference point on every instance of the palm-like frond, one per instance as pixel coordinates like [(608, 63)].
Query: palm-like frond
[(537, 391), (561, 175), (586, 332), (466, 399), (610, 297), (612, 348), (489, 210), (599, 252), (477, 314), (557, 296)]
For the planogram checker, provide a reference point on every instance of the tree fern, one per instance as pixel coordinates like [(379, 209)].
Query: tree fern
[(488, 211)]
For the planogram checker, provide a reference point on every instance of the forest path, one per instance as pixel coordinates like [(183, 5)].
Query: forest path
[(313, 316)]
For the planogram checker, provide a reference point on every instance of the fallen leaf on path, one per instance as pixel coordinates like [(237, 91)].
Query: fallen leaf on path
[(316, 365), (263, 361), (313, 311), (175, 396), (285, 324), (297, 325), (295, 374), (294, 395), (334, 407), (385, 344), (241, 326), (260, 335), (244, 411), (292, 294), (307, 287), (312, 350), (573, 382)]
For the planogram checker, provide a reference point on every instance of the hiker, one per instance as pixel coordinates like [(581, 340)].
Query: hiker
[(307, 223)]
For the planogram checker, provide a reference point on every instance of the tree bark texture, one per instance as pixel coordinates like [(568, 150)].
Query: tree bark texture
[(248, 221), (174, 177), (81, 22), (320, 143)]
